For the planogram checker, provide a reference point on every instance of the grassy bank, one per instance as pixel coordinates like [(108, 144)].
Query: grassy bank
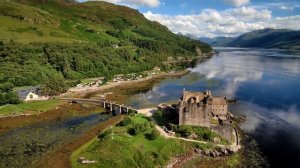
[(232, 161), (29, 107), (127, 150)]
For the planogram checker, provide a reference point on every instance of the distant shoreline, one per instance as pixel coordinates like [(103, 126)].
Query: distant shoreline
[(116, 84), (87, 90)]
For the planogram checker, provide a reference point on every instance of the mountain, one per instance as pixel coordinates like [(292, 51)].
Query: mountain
[(217, 41), (191, 36), (206, 40), (55, 43), (68, 21), (268, 38)]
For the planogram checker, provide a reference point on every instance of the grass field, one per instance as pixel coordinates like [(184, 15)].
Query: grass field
[(125, 150), (41, 24), (33, 107), (231, 161)]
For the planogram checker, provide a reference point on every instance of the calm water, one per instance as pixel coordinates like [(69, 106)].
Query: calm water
[(267, 83)]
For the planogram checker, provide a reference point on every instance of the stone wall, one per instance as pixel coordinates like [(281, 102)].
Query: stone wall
[(194, 114), (224, 131)]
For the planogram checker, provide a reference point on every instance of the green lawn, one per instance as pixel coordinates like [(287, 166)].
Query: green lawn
[(33, 106), (125, 150), (88, 80)]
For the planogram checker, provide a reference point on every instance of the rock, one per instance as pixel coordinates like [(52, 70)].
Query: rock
[(193, 136), (218, 153), (230, 151), (216, 140), (198, 151), (224, 151), (206, 152), (213, 154)]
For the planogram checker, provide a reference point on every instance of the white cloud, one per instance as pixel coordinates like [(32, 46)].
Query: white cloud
[(231, 22), (284, 7), (232, 71), (237, 2), (276, 118), (277, 5), (136, 3)]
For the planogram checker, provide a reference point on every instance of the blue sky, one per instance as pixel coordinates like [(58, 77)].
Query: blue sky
[(180, 7), (211, 18)]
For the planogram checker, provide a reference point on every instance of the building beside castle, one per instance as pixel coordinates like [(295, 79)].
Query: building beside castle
[(199, 108)]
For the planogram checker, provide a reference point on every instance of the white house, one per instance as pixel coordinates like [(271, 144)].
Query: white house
[(29, 94)]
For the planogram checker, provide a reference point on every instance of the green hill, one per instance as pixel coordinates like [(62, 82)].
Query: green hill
[(217, 41), (56, 42), (268, 38)]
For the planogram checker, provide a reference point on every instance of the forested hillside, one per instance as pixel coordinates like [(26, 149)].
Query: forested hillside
[(55, 43), (268, 38)]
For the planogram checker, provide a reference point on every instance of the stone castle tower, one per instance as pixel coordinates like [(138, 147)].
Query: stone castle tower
[(198, 108)]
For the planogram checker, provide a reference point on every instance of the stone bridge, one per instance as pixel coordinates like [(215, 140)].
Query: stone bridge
[(107, 105)]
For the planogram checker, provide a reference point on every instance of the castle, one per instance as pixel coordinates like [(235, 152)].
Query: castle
[(199, 108)]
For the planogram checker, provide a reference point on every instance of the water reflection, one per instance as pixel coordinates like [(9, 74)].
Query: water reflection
[(267, 84)]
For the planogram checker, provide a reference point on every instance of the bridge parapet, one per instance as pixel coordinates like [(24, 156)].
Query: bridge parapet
[(104, 104)]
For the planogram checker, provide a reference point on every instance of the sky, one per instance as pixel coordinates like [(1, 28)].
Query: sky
[(214, 18)]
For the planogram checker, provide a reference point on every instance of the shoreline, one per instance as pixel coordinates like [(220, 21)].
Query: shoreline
[(60, 157), (81, 93), (118, 84)]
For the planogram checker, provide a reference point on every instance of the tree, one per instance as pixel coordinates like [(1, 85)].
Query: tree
[(55, 84), (6, 87), (8, 98), (12, 98)]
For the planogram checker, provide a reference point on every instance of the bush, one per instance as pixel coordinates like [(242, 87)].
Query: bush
[(126, 121), (90, 30), (202, 132), (139, 128), (9, 98), (104, 135), (153, 135), (131, 112), (184, 130), (73, 83)]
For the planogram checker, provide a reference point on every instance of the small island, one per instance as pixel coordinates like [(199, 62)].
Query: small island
[(199, 126), (200, 116)]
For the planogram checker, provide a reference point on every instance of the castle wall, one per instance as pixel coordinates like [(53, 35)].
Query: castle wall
[(197, 108), (194, 114), (220, 110), (224, 131)]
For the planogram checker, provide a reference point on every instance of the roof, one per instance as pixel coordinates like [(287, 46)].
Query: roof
[(22, 94), (205, 97), (187, 95), (219, 101)]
